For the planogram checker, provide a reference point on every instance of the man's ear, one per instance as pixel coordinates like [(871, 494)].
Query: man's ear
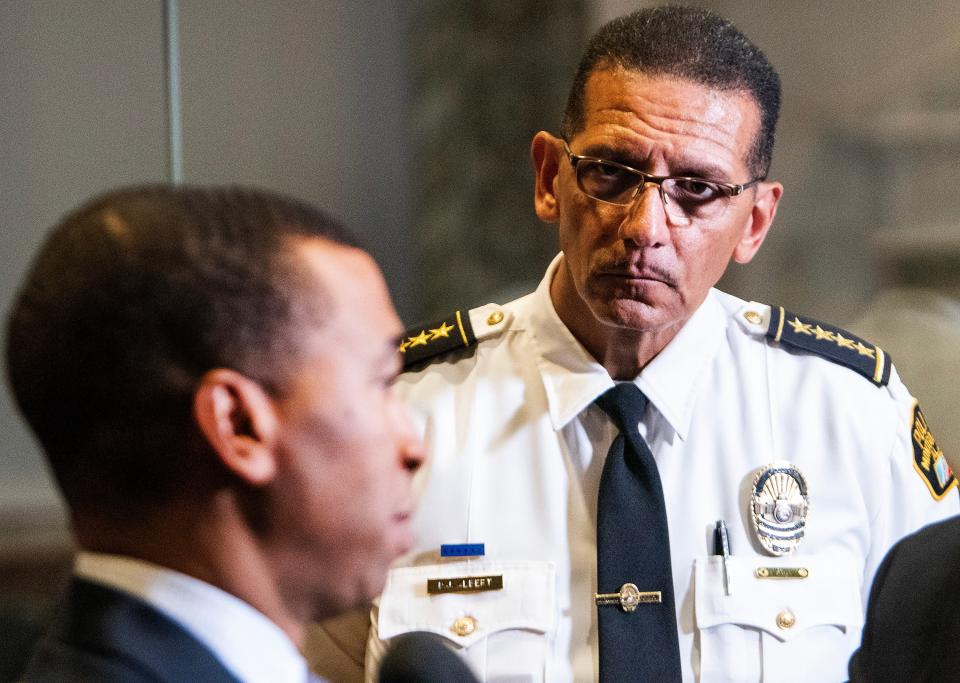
[(545, 154), (758, 223), (238, 420)]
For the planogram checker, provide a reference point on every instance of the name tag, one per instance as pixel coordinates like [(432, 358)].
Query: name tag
[(782, 572), (465, 584)]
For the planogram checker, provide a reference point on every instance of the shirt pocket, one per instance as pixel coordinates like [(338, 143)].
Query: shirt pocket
[(504, 634), (786, 618)]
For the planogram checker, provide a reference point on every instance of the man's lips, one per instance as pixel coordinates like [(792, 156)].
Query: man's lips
[(635, 276), (404, 531)]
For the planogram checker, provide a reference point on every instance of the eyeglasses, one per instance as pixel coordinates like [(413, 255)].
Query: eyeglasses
[(685, 200)]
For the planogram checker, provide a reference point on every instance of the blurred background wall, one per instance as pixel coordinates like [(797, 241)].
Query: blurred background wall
[(411, 121)]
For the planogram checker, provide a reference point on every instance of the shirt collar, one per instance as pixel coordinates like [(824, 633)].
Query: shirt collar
[(573, 379), (251, 646), (670, 380)]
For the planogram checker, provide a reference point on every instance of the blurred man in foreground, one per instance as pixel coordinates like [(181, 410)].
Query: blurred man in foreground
[(209, 373)]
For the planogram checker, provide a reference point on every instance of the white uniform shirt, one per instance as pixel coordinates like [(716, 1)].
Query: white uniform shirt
[(247, 643), (516, 451)]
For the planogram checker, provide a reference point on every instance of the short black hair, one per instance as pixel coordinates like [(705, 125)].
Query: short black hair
[(130, 300), (684, 42)]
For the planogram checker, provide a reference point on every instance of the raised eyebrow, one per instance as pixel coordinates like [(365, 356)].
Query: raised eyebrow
[(612, 154), (702, 171), (684, 168)]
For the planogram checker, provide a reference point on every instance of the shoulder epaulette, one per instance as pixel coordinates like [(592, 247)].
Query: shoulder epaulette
[(830, 342), (423, 342)]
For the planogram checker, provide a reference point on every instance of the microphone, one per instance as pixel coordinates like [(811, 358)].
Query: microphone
[(423, 658)]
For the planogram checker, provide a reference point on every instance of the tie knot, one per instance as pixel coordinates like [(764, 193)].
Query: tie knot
[(624, 404)]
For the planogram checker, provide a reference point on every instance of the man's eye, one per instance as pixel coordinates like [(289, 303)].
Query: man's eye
[(600, 171), (605, 181), (387, 380), (691, 189)]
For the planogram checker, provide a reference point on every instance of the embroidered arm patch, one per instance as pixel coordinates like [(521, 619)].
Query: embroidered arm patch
[(426, 341), (831, 343), (928, 458)]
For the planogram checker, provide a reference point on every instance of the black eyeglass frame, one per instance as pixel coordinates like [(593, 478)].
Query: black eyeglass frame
[(729, 189)]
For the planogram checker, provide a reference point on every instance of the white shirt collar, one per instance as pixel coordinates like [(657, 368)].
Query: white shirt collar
[(573, 379), (671, 379), (252, 647)]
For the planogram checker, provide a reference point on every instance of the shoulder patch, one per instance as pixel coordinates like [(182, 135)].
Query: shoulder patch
[(423, 342), (928, 458), (830, 342)]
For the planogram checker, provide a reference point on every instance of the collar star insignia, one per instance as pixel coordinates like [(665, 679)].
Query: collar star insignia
[(420, 340), (821, 333), (864, 350), (403, 346), (800, 327), (442, 331), (843, 342)]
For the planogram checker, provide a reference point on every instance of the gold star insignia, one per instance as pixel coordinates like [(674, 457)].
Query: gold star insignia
[(864, 350), (843, 342), (821, 333), (442, 331), (800, 327), (403, 346), (420, 340)]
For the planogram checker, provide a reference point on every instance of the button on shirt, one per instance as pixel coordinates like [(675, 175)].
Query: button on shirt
[(516, 452), (249, 645)]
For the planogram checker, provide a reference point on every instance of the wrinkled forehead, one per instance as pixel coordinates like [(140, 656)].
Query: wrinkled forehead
[(629, 105)]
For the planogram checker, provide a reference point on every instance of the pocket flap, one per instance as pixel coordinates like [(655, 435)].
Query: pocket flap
[(526, 600), (817, 591)]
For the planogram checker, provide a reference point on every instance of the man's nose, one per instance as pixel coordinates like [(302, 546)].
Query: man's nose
[(645, 223), (414, 455), (413, 452)]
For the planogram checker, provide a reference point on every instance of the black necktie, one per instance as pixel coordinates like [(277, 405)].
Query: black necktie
[(638, 627)]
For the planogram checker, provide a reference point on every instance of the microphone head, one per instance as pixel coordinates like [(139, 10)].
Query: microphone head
[(423, 658)]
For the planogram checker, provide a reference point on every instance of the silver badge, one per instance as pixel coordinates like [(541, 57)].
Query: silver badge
[(779, 507)]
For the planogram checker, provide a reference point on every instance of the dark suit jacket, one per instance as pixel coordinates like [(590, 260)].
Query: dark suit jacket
[(105, 635), (913, 621)]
